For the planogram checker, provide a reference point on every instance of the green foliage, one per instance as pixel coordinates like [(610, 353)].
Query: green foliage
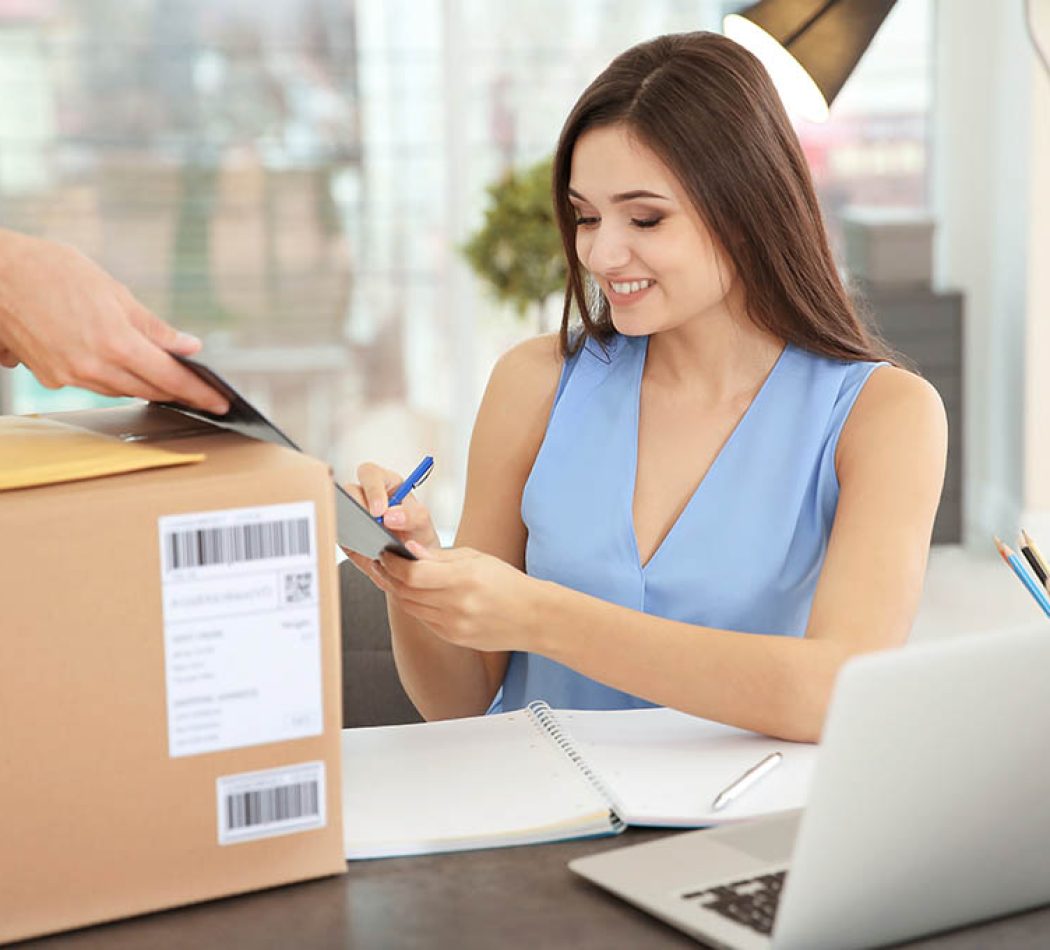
[(517, 251)]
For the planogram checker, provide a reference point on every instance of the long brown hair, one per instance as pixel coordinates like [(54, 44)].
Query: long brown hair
[(708, 109)]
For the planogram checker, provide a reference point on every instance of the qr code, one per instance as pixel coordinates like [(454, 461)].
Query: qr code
[(298, 587)]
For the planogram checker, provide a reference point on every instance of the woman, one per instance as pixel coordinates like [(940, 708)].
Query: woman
[(716, 490)]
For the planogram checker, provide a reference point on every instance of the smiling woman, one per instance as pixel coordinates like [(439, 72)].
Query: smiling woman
[(640, 246), (713, 490), (727, 170)]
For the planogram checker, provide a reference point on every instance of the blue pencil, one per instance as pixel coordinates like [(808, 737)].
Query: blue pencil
[(1019, 569)]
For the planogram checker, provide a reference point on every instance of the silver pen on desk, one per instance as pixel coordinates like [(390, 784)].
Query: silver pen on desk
[(742, 784)]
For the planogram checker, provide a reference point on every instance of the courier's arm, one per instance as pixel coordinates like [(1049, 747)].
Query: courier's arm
[(72, 324)]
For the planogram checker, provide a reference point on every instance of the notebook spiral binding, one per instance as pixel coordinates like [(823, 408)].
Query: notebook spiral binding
[(544, 719)]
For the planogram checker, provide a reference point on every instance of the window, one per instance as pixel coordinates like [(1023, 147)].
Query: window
[(292, 181)]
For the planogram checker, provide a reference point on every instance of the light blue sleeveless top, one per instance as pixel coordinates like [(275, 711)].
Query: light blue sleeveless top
[(746, 551)]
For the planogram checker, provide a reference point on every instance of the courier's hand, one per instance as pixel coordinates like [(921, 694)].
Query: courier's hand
[(72, 324), (409, 521), (465, 597)]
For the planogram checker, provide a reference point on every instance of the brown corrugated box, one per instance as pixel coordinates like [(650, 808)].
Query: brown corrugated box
[(98, 819)]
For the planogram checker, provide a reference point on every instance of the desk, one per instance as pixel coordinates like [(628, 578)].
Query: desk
[(508, 898)]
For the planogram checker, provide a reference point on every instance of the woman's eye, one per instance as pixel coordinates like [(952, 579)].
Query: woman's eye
[(583, 221)]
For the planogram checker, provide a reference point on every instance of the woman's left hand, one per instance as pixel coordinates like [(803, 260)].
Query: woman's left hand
[(468, 598)]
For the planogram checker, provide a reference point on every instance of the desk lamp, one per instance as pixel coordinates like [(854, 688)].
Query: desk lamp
[(809, 46)]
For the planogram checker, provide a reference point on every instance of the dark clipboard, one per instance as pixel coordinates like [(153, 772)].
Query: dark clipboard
[(356, 529)]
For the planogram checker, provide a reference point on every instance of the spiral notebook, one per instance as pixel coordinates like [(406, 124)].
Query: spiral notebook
[(549, 775)]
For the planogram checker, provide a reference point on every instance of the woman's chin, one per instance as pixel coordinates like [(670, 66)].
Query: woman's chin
[(630, 324)]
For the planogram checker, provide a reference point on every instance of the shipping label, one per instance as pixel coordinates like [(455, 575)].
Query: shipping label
[(241, 627)]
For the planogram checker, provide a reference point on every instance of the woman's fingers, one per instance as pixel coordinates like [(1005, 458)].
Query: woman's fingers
[(365, 566), (398, 518), (412, 521), (356, 492), (385, 580), (374, 572), (376, 484), (362, 563)]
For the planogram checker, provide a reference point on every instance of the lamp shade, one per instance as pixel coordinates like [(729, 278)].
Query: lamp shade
[(810, 47)]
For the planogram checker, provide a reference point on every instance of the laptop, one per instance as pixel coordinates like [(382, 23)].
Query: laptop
[(929, 809)]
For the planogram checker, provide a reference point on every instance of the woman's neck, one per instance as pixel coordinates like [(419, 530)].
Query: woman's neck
[(717, 357)]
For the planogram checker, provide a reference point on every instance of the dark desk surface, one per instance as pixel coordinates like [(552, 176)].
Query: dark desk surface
[(514, 897)]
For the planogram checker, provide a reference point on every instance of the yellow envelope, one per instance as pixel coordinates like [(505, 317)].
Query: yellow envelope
[(42, 452)]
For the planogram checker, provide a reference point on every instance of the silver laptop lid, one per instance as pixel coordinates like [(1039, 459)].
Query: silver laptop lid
[(930, 804)]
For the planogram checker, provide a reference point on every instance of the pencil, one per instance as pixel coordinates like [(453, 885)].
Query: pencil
[(1042, 570), (1033, 563), (1019, 569)]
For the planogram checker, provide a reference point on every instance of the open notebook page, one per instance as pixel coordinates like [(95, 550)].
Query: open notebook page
[(462, 784), (665, 768)]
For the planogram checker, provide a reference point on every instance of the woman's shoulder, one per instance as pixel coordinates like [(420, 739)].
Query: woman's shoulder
[(896, 411), (537, 354), (523, 382), (891, 390), (529, 370)]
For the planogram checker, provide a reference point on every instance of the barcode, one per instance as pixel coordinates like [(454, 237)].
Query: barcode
[(269, 805), (236, 543), (282, 801)]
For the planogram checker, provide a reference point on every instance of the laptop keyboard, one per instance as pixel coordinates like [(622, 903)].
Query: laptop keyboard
[(752, 902)]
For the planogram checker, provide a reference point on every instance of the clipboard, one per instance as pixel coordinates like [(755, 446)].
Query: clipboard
[(356, 529)]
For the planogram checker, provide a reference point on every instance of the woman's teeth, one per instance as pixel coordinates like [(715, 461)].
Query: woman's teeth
[(630, 287)]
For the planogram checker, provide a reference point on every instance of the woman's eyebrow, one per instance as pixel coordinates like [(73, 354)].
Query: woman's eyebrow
[(623, 196)]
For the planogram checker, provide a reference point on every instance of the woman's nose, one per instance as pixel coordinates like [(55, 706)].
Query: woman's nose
[(606, 250)]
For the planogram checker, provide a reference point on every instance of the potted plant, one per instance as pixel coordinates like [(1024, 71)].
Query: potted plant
[(517, 251)]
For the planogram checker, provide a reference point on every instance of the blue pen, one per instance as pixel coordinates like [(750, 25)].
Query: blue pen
[(418, 474), (1033, 588)]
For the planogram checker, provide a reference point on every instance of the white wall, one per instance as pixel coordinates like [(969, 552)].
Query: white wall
[(1037, 392), (985, 170)]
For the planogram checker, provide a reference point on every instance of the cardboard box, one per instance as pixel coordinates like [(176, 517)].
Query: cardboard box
[(169, 680)]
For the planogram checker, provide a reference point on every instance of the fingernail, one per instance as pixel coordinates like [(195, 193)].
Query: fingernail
[(377, 506), (394, 516), (188, 339)]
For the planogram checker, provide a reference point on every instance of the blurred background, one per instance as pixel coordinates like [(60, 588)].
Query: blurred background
[(295, 182)]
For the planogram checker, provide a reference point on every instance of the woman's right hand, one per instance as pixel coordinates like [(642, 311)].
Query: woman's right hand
[(409, 521)]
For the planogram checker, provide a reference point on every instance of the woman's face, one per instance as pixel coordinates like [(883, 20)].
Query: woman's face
[(640, 237)]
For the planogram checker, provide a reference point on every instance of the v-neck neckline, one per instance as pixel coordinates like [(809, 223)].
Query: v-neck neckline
[(698, 489)]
